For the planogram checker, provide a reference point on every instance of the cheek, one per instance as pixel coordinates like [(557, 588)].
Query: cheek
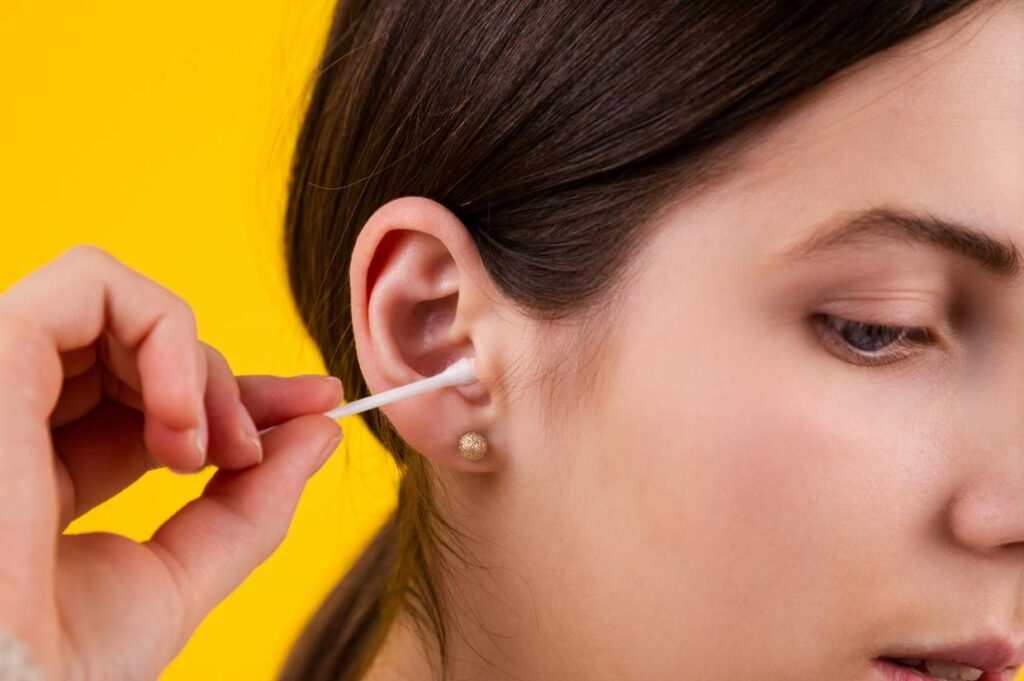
[(742, 471), (756, 500)]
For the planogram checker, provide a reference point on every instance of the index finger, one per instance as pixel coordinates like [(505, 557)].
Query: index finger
[(85, 291)]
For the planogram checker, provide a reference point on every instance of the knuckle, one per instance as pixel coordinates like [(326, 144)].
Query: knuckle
[(219, 369), (184, 312), (87, 253), (88, 262), (213, 353), (25, 352), (15, 332)]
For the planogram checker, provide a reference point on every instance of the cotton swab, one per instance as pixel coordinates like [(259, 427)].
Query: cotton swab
[(458, 373)]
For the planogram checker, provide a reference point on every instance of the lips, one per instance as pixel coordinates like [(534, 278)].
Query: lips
[(888, 670), (997, 656)]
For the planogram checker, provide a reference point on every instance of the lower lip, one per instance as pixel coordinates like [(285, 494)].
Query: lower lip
[(890, 671)]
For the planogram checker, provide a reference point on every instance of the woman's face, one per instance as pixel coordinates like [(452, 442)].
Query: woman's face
[(751, 492)]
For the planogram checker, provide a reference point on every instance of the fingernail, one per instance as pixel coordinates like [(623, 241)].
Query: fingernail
[(183, 471), (200, 436), (249, 428), (333, 380), (188, 471), (328, 450)]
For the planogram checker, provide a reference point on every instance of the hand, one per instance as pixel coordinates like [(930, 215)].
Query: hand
[(102, 377)]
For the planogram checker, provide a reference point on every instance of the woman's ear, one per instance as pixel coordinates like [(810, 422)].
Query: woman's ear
[(420, 301)]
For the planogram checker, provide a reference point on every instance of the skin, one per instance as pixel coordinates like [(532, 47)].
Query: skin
[(96, 389), (722, 488)]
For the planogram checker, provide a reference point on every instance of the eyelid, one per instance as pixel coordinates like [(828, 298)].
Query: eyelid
[(885, 313), (906, 349), (935, 317)]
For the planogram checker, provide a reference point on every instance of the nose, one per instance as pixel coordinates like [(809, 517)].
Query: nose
[(984, 436), (988, 513)]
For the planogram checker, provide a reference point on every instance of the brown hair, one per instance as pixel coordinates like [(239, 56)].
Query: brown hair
[(555, 131)]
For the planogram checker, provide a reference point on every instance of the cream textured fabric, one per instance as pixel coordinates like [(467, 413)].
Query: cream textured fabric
[(15, 661)]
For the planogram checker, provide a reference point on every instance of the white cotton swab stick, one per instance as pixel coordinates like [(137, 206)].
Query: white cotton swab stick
[(459, 373)]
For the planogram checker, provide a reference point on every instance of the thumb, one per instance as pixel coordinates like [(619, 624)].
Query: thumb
[(216, 540)]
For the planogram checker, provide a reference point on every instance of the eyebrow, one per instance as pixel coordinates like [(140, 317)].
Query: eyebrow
[(998, 257)]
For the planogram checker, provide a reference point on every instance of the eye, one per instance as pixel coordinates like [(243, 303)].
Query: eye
[(867, 343)]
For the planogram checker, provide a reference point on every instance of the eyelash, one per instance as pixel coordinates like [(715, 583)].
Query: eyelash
[(833, 330)]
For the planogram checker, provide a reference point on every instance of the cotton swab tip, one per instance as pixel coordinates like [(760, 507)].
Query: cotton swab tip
[(461, 371)]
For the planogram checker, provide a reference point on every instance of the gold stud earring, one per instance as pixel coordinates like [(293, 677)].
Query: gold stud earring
[(472, 446)]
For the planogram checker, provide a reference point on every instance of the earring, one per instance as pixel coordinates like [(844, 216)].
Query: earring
[(472, 446)]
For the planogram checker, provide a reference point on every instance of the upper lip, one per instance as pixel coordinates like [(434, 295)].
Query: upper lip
[(988, 653)]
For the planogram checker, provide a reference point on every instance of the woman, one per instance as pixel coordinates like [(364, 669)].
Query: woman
[(741, 282)]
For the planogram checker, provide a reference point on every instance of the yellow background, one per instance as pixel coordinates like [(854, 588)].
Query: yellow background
[(161, 132)]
